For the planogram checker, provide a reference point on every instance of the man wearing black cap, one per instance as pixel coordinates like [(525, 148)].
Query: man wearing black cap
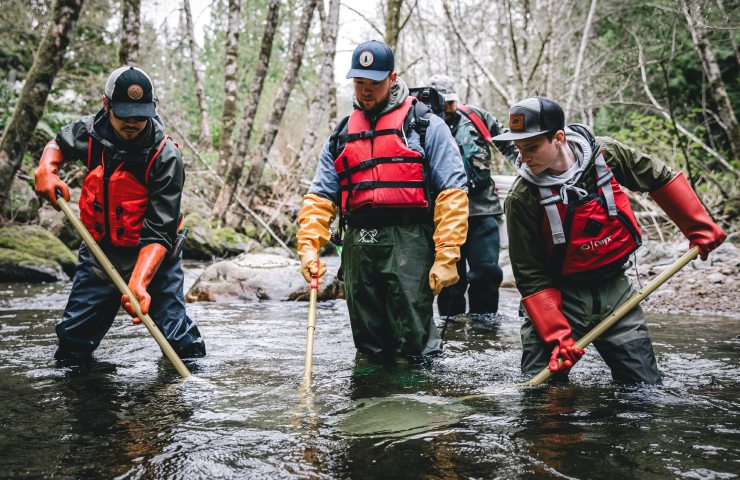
[(571, 232), (396, 174), (473, 129), (130, 204)]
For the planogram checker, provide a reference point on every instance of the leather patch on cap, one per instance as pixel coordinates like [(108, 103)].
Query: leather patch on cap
[(135, 92), (516, 122)]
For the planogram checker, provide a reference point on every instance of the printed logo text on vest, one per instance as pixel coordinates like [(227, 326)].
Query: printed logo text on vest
[(592, 245)]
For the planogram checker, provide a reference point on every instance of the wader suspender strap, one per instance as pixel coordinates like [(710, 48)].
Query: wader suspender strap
[(550, 200), (473, 117)]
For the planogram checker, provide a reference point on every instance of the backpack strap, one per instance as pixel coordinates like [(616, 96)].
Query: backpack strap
[(151, 162), (339, 134), (477, 121)]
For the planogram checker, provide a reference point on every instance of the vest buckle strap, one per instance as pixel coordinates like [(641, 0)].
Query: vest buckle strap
[(605, 179), (360, 136), (552, 199)]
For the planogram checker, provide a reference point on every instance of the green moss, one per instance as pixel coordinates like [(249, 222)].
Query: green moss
[(228, 235), (38, 242), (17, 266), (250, 229)]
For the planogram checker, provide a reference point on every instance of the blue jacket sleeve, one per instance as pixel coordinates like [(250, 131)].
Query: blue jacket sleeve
[(443, 154), (326, 181)]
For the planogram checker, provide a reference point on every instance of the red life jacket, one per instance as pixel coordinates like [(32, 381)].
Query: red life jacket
[(114, 205), (468, 112), (376, 166), (593, 238)]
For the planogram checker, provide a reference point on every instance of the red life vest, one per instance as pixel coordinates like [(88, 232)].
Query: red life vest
[(376, 166), (114, 205), (593, 238)]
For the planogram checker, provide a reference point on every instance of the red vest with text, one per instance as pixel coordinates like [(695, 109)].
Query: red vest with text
[(114, 205), (593, 239), (376, 166)]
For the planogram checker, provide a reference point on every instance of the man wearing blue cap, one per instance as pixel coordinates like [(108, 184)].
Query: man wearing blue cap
[(396, 174), (130, 203)]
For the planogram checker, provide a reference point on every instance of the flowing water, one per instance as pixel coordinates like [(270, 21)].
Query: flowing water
[(128, 415)]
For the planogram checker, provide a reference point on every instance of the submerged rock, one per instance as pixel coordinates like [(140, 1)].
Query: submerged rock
[(17, 266), (38, 242), (251, 277)]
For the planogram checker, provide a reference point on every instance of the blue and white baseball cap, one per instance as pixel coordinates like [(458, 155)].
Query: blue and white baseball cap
[(373, 60)]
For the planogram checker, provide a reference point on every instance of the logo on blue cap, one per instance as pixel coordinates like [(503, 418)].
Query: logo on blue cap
[(366, 58)]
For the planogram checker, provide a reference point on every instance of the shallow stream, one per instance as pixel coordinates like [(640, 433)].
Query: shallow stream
[(128, 415)]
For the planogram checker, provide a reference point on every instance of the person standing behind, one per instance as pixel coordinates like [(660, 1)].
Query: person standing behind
[(473, 129), (130, 204), (571, 233), (396, 174)]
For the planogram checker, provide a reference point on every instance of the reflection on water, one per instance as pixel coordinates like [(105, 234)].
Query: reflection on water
[(126, 414)]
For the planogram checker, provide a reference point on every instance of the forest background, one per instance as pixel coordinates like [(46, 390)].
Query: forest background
[(251, 89)]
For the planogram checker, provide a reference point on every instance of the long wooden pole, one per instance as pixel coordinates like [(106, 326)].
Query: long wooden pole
[(311, 326), (602, 327), (123, 288)]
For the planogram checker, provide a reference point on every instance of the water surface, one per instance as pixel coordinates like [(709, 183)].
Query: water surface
[(128, 415)]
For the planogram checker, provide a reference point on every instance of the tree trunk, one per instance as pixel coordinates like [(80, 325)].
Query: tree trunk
[(503, 33), (205, 133), (236, 164), (489, 75), (393, 23), (231, 63), (731, 33), (332, 104), (128, 51), (32, 100), (281, 101), (693, 14), (330, 25), (579, 60)]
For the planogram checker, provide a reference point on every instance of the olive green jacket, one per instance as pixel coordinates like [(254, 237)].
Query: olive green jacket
[(632, 169)]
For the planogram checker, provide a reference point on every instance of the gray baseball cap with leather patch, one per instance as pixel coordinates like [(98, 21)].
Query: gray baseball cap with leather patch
[(533, 116), (444, 85)]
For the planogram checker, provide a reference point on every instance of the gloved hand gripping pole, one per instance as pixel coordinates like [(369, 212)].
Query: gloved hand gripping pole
[(123, 287), (311, 326)]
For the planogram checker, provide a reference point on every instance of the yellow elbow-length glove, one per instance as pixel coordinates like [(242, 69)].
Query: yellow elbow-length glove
[(315, 218), (450, 233)]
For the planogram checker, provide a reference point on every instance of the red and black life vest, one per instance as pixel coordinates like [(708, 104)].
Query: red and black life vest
[(477, 121), (593, 238), (114, 204), (376, 166)]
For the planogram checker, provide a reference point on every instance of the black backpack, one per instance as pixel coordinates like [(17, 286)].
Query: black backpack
[(431, 98)]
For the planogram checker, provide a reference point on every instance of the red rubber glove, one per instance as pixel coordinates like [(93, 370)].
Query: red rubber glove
[(545, 311), (150, 258), (46, 177), (679, 201)]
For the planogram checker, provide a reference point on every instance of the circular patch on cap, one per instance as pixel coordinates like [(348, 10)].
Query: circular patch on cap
[(135, 92), (366, 58)]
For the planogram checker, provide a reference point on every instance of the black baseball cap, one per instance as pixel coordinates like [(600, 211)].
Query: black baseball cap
[(130, 93), (533, 116), (373, 60)]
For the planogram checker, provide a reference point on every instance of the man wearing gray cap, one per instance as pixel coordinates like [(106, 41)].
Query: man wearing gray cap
[(473, 129), (571, 232), (130, 203), (394, 173)]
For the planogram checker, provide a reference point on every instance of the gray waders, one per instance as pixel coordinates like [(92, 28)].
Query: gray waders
[(626, 347)]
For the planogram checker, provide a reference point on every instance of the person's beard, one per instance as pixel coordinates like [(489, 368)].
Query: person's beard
[(378, 106)]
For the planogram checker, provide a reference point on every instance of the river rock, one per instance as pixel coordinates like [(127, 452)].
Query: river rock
[(22, 204), (715, 278), (58, 223), (205, 242), (508, 280), (251, 277), (17, 266), (38, 242)]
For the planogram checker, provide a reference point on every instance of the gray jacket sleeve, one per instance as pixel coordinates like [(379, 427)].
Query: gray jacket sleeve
[(326, 181), (166, 181), (73, 139), (442, 153)]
